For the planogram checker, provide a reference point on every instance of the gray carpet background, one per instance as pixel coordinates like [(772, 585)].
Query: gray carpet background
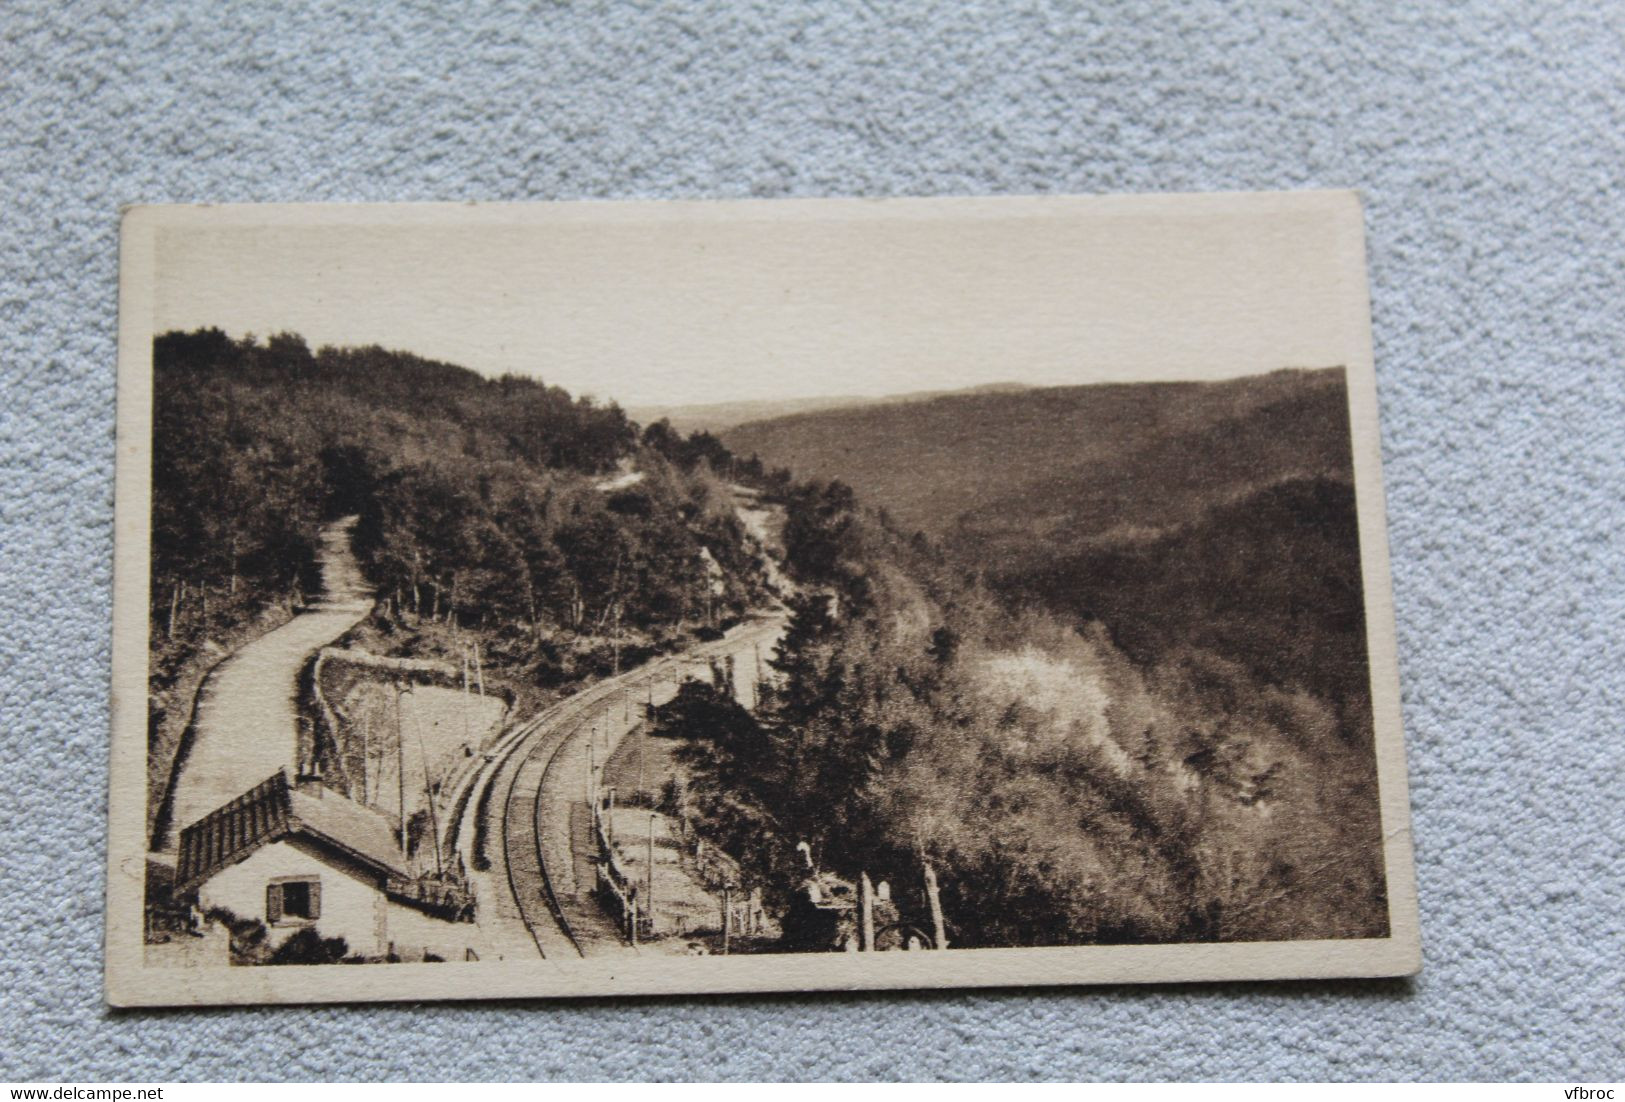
[(1488, 140)]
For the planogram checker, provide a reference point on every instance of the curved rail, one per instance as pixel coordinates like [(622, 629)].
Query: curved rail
[(536, 832), (541, 742), (507, 859)]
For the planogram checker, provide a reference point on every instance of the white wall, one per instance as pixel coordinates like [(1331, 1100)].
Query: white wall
[(352, 906)]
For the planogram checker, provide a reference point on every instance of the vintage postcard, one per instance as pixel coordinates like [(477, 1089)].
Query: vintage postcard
[(663, 597)]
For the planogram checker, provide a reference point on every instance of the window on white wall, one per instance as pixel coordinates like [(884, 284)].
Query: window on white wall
[(293, 899)]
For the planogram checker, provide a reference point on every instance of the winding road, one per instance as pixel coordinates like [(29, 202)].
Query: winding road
[(535, 890), (246, 724)]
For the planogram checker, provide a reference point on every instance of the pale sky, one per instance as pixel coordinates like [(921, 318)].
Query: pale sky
[(682, 303)]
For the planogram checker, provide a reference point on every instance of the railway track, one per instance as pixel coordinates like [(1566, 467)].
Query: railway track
[(535, 748), (538, 798), (522, 849)]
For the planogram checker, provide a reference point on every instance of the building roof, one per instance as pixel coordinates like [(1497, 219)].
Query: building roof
[(273, 810)]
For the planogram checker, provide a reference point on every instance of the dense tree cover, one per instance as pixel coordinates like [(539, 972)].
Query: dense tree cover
[(1065, 791), (504, 507), (1270, 580), (254, 445), (1077, 763)]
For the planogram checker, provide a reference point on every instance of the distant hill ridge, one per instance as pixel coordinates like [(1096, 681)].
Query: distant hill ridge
[(718, 416), (1210, 515), (1072, 462)]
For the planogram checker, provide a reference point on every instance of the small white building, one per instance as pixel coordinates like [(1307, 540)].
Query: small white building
[(305, 856)]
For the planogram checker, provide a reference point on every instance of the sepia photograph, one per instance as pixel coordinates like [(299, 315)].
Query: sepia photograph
[(668, 597)]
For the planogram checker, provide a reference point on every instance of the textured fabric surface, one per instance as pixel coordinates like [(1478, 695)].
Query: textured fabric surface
[(1487, 139)]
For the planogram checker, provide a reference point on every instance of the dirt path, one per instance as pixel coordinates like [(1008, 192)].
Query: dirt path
[(246, 726)]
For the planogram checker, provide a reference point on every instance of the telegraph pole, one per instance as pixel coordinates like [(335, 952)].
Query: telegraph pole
[(468, 727), (366, 755), (428, 799), (643, 734), (400, 761), (649, 905)]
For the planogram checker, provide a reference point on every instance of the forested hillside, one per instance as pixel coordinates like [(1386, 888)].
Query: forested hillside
[(1115, 686), (1064, 791), (488, 506), (1218, 515), (1095, 658)]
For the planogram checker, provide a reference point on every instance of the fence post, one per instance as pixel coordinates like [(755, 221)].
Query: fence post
[(866, 900), (632, 912), (938, 927)]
